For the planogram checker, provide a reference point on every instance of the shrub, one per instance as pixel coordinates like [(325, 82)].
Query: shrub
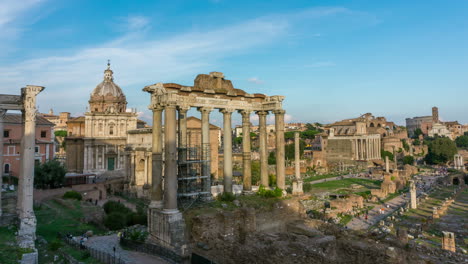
[(262, 191), (55, 245), (272, 179), (115, 221), (307, 187), (226, 197), (72, 195), (408, 160), (137, 219), (137, 235), (116, 207)]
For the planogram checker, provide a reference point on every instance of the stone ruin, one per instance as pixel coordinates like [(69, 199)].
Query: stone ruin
[(26, 103), (345, 205), (448, 241), (209, 92)]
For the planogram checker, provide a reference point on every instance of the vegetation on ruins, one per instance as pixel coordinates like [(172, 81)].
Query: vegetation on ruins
[(406, 146), (50, 174), (10, 253), (226, 197), (72, 195), (119, 216), (385, 153), (441, 150), (271, 158), (263, 192), (255, 170), (408, 160)]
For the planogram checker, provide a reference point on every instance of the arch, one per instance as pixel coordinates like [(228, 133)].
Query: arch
[(372, 125), (6, 168), (455, 181), (140, 165), (379, 125)]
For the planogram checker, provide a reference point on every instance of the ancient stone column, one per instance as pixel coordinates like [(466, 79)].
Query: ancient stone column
[(395, 158), (157, 160), (206, 146), (170, 156), (263, 147), (387, 165), (280, 151), (183, 126), (297, 183), (246, 155), (413, 195), (297, 156), (448, 241), (27, 229), (227, 149), (2, 115)]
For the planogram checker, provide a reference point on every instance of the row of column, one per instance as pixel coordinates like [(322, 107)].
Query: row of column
[(168, 200), (367, 149), (93, 153)]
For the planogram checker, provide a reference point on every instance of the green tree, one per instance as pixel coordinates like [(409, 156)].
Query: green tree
[(417, 133), (416, 142), (406, 146), (462, 141), (309, 134), (290, 152), (289, 135), (60, 133), (237, 140), (441, 150), (50, 174), (385, 153), (255, 169), (272, 158), (408, 160)]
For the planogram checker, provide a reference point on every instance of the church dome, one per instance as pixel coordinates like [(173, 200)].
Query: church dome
[(107, 96)]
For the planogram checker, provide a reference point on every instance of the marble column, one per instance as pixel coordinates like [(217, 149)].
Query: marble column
[(297, 156), (246, 153), (170, 156), (227, 149), (263, 147), (2, 115), (206, 147), (387, 165), (413, 195), (280, 151), (85, 156), (297, 183), (157, 159), (27, 229), (183, 126)]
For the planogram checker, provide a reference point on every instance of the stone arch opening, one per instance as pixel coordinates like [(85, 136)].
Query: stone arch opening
[(455, 181), (372, 125), (6, 168)]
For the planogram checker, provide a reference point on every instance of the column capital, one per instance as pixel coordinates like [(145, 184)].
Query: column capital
[(157, 108), (2, 113), (245, 112), (261, 112), (183, 108), (279, 112), (205, 109), (226, 110)]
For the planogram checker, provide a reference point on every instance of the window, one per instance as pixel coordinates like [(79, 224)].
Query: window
[(36, 149), (43, 133), (6, 168), (6, 133), (111, 130)]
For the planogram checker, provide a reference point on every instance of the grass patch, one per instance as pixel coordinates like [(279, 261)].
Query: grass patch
[(10, 253), (346, 183), (320, 177), (54, 218)]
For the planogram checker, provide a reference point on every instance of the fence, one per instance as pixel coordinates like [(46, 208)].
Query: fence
[(102, 256)]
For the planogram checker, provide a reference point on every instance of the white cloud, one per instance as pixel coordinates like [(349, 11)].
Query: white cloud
[(12, 15), (320, 64), (135, 23), (255, 80), (139, 59)]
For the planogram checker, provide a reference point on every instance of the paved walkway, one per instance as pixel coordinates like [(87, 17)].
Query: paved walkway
[(107, 244), (359, 223)]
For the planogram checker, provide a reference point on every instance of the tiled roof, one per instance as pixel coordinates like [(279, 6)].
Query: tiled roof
[(16, 119)]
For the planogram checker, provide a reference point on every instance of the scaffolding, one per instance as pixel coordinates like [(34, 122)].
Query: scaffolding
[(194, 179)]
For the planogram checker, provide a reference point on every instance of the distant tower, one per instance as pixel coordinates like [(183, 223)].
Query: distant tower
[(435, 114)]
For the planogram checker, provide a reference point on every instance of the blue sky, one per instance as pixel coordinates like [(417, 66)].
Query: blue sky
[(331, 59)]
